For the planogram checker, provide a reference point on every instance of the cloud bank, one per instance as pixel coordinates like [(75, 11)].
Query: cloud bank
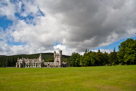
[(70, 25)]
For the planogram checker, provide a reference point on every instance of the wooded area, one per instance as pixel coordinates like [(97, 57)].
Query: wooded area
[(125, 55)]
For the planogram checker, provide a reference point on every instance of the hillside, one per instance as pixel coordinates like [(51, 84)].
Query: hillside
[(10, 61)]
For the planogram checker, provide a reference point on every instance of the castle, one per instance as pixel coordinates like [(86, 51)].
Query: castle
[(38, 63), (23, 62)]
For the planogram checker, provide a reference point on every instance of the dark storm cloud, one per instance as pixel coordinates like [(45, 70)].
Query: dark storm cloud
[(95, 23)]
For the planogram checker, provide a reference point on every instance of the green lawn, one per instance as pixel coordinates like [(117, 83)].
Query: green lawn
[(102, 78)]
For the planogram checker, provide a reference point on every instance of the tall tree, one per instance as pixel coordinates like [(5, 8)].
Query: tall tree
[(99, 58), (86, 50), (86, 59), (106, 58), (93, 58), (127, 51), (74, 60), (113, 58)]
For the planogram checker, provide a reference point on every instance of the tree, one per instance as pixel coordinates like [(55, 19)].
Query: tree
[(93, 58), (77, 61), (74, 60), (113, 58), (86, 50), (127, 51), (99, 58), (86, 59), (49, 60), (106, 58)]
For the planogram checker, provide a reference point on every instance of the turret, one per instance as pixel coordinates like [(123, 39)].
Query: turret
[(40, 57), (60, 52), (54, 54)]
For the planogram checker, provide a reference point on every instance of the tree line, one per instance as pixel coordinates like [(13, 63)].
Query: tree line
[(125, 56)]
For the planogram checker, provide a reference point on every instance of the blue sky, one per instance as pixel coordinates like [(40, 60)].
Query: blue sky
[(44, 26), (4, 22), (115, 44)]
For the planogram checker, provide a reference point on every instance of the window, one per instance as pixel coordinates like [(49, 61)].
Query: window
[(57, 60)]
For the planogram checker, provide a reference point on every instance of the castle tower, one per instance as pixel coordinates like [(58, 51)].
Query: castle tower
[(54, 54), (58, 59), (40, 58), (40, 61)]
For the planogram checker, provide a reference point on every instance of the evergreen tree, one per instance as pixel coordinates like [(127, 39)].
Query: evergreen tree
[(106, 58), (86, 50), (99, 58), (113, 58)]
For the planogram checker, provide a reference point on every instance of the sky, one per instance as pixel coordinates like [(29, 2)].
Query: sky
[(41, 26)]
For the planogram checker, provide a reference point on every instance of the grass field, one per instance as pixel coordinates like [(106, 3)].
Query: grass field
[(103, 78)]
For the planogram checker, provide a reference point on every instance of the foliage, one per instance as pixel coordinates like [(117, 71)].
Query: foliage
[(113, 58), (125, 55), (127, 52), (49, 60), (74, 60)]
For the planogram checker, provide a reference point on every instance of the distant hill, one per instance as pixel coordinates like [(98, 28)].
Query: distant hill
[(2, 55), (10, 61)]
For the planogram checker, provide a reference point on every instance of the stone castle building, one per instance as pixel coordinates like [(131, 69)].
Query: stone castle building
[(30, 62), (38, 63)]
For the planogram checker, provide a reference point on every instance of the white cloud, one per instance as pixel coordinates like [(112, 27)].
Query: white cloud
[(7, 10), (29, 8), (103, 50), (65, 50), (75, 24)]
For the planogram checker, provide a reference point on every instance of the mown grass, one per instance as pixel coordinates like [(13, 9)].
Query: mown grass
[(103, 78)]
